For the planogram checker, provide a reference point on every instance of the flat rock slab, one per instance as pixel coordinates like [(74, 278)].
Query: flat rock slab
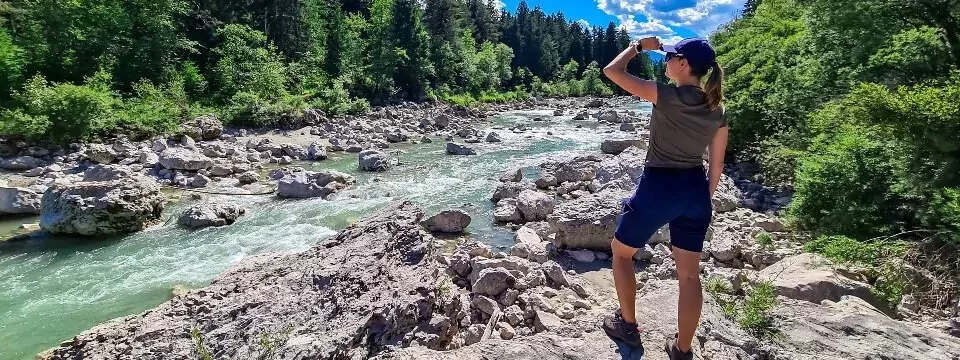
[(332, 299)]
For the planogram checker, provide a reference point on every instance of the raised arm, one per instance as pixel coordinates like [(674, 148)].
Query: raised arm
[(716, 150), (616, 71)]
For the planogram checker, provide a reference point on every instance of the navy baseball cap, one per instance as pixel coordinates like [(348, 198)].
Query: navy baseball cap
[(697, 51)]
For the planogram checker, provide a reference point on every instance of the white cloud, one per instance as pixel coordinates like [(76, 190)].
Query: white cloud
[(584, 23), (703, 17), (498, 3)]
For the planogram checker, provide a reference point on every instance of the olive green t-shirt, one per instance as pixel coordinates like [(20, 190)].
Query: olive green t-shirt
[(681, 127)]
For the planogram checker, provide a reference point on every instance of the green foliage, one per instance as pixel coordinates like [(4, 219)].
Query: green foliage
[(847, 186), (65, 112), (154, 109), (568, 83), (62, 112), (336, 100), (846, 250), (250, 110), (755, 316), (261, 63), (468, 100), (753, 311), (269, 343), (909, 57), (247, 63), (11, 65), (884, 258), (202, 351), (943, 214), (764, 238), (66, 41)]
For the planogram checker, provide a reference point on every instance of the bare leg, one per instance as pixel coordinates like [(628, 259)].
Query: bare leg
[(625, 279), (691, 296)]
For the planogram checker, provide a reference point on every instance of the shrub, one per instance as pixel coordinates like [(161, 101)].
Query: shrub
[(248, 63), (753, 311), (884, 258), (943, 215), (250, 110), (336, 100), (755, 316), (764, 238), (847, 185), (63, 112), (155, 109), (11, 65)]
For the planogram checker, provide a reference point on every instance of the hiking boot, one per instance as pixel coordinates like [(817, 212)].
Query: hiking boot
[(618, 328), (674, 352)]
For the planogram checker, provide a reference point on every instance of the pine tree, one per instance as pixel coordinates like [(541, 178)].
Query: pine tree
[(412, 49), (611, 45), (483, 20), (382, 55), (750, 7), (444, 21)]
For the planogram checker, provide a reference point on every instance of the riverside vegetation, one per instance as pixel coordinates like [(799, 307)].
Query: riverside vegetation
[(836, 226), (852, 105), (71, 71)]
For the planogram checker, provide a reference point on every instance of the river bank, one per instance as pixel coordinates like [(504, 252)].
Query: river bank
[(60, 285)]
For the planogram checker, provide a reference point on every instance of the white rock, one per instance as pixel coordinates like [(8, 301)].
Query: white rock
[(585, 256), (534, 205)]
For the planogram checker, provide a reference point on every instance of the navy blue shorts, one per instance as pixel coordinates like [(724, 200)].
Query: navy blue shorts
[(679, 197)]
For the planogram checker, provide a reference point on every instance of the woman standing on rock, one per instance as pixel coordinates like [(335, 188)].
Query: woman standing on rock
[(687, 118)]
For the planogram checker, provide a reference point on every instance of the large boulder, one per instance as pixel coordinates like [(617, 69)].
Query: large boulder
[(727, 197), (726, 245), (350, 296), (448, 221), (508, 190), (308, 184), (100, 153), (493, 281), (609, 116), (587, 222), (14, 200), (581, 168), (441, 121), (205, 127), (507, 211), (148, 158), (294, 151), (534, 205), (213, 213), (622, 171), (375, 160), (107, 173), (615, 147), (810, 277), (103, 207), (459, 149), (178, 158), (316, 151), (21, 163)]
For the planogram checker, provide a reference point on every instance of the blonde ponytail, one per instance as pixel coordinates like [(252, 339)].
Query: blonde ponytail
[(714, 87)]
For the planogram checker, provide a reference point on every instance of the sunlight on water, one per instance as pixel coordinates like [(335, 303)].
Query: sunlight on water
[(55, 288)]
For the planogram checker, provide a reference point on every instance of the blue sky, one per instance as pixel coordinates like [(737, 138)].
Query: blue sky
[(671, 20)]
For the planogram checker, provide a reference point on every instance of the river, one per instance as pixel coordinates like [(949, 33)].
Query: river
[(54, 288)]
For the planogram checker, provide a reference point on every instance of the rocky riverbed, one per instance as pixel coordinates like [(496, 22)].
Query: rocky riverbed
[(503, 251)]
